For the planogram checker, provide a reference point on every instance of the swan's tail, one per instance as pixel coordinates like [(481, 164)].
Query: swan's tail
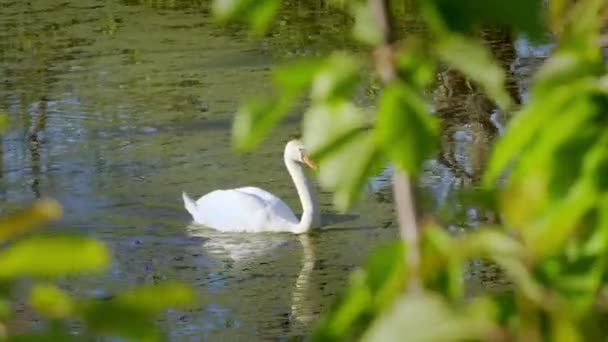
[(189, 203)]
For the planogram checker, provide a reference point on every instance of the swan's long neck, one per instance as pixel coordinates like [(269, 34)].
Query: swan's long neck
[(310, 212)]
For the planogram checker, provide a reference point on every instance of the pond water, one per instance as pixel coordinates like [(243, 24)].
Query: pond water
[(118, 106)]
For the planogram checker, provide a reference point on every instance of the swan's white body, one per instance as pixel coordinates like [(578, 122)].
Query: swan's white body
[(251, 209)]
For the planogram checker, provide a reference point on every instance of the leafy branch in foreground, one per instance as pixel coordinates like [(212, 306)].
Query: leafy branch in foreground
[(44, 257), (547, 171)]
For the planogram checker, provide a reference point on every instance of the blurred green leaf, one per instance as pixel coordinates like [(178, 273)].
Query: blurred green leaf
[(414, 65), (153, 299), (258, 13), (370, 292), (25, 220), (583, 33), (324, 124), (345, 150), (296, 76), (564, 328), (558, 225), (598, 242), (4, 121), (337, 77), (48, 256), (428, 317), (111, 319), (257, 117), (50, 301), (386, 273), (131, 314), (365, 29), (565, 67), (405, 129), (5, 308), (347, 169), (224, 10), (476, 62), (577, 281), (349, 316), (261, 13), (524, 280), (524, 16), (254, 120), (490, 242), (46, 335), (479, 197), (525, 126), (532, 173)]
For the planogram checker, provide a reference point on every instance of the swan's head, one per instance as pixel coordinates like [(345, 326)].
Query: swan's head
[(295, 150)]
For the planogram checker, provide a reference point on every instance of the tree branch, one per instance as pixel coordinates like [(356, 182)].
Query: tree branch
[(402, 190)]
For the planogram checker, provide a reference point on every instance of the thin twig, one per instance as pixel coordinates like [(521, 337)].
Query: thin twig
[(404, 202), (404, 205)]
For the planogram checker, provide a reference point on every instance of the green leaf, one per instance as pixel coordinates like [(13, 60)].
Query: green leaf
[(337, 78), (565, 67), (131, 314), (524, 16), (527, 124), (258, 13), (415, 66), (583, 33), (261, 13), (550, 234), (113, 319), (254, 120), (386, 273), (405, 129), (339, 141), (4, 121), (370, 292), (153, 299), (53, 334), (350, 313), (296, 76), (598, 242), (428, 317), (476, 62), (365, 29), (578, 281), (346, 170), (491, 242), (324, 124), (23, 221), (48, 256), (229, 9), (50, 301), (565, 328)]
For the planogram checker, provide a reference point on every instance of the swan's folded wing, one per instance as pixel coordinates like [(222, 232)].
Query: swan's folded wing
[(275, 204), (238, 211)]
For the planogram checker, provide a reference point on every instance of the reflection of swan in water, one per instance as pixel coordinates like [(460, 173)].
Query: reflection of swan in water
[(243, 248), (252, 209), (236, 247), (301, 305)]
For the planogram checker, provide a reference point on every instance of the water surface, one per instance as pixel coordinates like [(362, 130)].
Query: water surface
[(116, 107)]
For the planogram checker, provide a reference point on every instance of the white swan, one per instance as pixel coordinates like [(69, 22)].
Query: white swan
[(252, 209)]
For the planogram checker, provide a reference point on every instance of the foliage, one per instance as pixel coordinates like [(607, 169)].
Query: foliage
[(41, 258), (547, 172)]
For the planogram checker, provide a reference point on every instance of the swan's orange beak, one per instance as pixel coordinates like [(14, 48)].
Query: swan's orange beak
[(309, 162)]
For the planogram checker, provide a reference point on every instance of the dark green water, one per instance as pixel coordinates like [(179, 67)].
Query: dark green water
[(118, 106)]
